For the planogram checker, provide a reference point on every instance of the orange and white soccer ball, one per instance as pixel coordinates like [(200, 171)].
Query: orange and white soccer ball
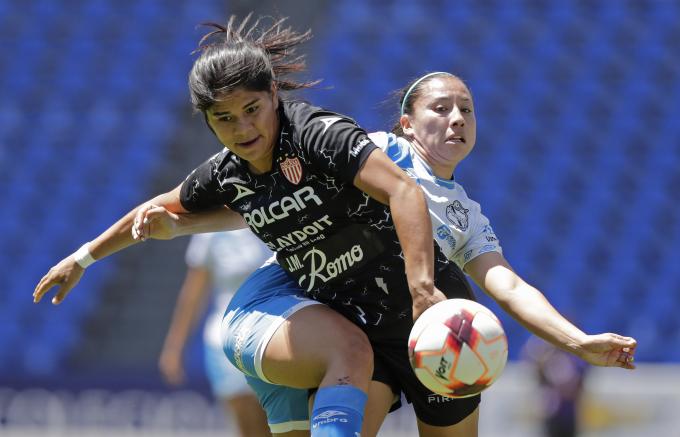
[(457, 348)]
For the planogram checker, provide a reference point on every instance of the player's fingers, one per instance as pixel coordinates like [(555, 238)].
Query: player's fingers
[(137, 224), (625, 358), (46, 283), (621, 341), (62, 292), (146, 218), (159, 212), (38, 287)]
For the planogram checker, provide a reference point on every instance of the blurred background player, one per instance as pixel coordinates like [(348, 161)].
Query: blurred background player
[(217, 262), (561, 378)]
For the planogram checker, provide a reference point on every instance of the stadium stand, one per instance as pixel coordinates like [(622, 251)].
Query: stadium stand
[(576, 163)]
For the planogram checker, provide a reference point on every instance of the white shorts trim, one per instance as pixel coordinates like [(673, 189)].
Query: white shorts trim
[(295, 425), (269, 333)]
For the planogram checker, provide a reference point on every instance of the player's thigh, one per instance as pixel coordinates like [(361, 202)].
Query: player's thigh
[(465, 428), (380, 400), (312, 342)]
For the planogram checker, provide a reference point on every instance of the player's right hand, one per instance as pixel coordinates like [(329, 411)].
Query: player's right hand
[(153, 221), (423, 300), (66, 275), (170, 364)]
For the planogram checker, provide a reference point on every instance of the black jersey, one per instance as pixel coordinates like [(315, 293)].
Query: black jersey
[(338, 243)]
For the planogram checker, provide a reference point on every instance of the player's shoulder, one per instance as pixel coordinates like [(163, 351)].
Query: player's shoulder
[(304, 115), (397, 148)]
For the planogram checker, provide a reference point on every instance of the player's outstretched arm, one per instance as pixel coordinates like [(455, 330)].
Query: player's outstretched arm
[(190, 304), (381, 179), (529, 306), (162, 217)]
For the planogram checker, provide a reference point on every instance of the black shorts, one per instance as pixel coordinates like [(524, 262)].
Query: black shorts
[(392, 366)]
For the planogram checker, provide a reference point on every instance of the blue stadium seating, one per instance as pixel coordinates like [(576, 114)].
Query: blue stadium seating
[(87, 109), (576, 162), (577, 155)]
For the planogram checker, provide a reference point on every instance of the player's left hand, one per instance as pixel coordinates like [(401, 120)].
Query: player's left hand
[(609, 350), (152, 221)]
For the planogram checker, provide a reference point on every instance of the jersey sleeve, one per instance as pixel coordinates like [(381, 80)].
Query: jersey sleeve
[(335, 144), (482, 240), (201, 190), (198, 251)]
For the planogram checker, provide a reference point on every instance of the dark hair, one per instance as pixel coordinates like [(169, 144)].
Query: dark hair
[(413, 95), (245, 55)]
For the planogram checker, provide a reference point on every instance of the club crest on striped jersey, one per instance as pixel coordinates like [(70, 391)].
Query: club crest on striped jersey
[(291, 168)]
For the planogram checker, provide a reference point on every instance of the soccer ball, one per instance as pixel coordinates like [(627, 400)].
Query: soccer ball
[(457, 348)]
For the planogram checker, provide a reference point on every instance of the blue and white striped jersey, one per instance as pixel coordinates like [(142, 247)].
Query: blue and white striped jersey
[(458, 225)]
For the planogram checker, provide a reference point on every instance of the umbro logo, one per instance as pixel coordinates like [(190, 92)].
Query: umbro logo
[(328, 121), (241, 192), (329, 414)]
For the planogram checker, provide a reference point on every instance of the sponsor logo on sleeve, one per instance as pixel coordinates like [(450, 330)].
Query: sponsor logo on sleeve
[(359, 147), (489, 234), (487, 248)]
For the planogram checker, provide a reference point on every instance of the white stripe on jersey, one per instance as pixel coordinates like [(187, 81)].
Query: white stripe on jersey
[(458, 225)]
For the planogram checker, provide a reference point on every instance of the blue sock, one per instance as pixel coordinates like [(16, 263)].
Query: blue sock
[(338, 411)]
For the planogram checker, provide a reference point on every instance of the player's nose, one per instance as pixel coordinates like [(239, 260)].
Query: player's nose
[(456, 117)]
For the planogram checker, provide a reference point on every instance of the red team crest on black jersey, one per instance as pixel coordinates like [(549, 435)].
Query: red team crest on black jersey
[(291, 169)]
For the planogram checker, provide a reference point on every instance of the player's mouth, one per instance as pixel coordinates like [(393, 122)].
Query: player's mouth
[(456, 139), (248, 143)]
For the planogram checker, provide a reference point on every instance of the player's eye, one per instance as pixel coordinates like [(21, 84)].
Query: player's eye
[(441, 109), (225, 118), (252, 109), (466, 110)]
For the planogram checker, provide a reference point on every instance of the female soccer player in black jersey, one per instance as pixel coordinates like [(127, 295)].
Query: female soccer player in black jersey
[(310, 184)]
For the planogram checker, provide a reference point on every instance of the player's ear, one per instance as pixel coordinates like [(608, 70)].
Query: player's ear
[(405, 123)]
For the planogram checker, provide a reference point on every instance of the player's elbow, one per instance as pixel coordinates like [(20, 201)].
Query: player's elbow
[(406, 190)]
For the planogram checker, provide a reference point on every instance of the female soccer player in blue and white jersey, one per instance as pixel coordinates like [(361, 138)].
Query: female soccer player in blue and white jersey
[(215, 268), (435, 132)]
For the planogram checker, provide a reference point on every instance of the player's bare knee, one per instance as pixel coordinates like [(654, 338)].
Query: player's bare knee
[(354, 353)]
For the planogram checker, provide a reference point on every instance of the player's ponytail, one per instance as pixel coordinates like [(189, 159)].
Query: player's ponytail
[(245, 55)]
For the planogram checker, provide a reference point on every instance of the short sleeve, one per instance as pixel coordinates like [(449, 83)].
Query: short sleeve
[(198, 251), (200, 190), (336, 144), (482, 240)]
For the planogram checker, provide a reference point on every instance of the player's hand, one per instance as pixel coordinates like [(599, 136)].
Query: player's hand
[(423, 300), (170, 365), (66, 275), (153, 221), (609, 350)]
